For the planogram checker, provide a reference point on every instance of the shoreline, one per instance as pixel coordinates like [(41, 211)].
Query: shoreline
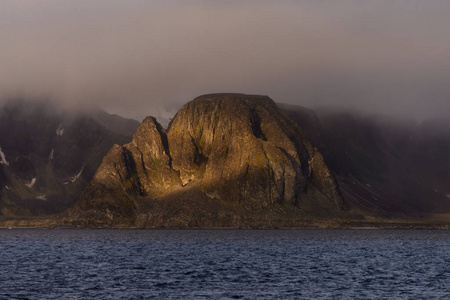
[(392, 224)]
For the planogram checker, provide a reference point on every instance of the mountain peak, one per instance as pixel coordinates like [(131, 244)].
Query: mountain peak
[(239, 151)]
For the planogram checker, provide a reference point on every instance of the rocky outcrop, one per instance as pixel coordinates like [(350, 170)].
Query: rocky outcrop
[(223, 157)]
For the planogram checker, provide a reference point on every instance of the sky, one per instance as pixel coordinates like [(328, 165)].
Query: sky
[(132, 57)]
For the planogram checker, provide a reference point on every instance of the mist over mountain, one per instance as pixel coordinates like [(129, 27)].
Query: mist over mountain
[(132, 57)]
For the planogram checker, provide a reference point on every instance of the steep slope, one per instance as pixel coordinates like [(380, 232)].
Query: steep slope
[(225, 160), (49, 155), (383, 166)]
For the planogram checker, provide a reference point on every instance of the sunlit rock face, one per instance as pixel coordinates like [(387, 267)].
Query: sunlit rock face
[(244, 149), (239, 151)]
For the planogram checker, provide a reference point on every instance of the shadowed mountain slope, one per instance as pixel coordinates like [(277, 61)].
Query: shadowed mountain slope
[(383, 166), (48, 155)]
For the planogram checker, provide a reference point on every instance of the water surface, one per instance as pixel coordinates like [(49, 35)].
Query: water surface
[(224, 264)]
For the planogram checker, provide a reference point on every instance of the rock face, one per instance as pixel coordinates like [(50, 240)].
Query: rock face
[(224, 157)]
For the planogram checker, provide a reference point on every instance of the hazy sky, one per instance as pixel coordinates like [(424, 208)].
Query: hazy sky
[(132, 56)]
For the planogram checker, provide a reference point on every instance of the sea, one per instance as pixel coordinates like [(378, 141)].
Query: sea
[(224, 264)]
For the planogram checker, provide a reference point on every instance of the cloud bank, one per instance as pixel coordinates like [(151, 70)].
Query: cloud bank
[(132, 56)]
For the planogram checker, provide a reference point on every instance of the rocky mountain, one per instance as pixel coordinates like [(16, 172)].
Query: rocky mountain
[(225, 160), (384, 167), (48, 155)]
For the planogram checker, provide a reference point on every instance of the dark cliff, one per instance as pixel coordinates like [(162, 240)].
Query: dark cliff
[(226, 160)]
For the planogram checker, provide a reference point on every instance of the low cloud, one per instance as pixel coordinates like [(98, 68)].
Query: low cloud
[(132, 56)]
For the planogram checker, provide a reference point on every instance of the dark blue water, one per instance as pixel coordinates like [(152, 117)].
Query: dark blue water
[(224, 264)]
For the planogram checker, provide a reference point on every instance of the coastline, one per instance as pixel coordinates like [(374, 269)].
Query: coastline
[(57, 222)]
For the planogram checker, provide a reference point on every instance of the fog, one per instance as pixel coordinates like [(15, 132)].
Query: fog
[(132, 57)]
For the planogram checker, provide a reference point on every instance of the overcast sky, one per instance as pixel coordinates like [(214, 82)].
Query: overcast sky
[(132, 56)]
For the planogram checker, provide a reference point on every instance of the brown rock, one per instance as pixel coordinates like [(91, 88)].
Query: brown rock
[(226, 154)]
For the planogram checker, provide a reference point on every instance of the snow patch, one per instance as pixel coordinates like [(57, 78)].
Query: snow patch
[(2, 156), (32, 182), (60, 130), (75, 177), (50, 157), (42, 197)]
